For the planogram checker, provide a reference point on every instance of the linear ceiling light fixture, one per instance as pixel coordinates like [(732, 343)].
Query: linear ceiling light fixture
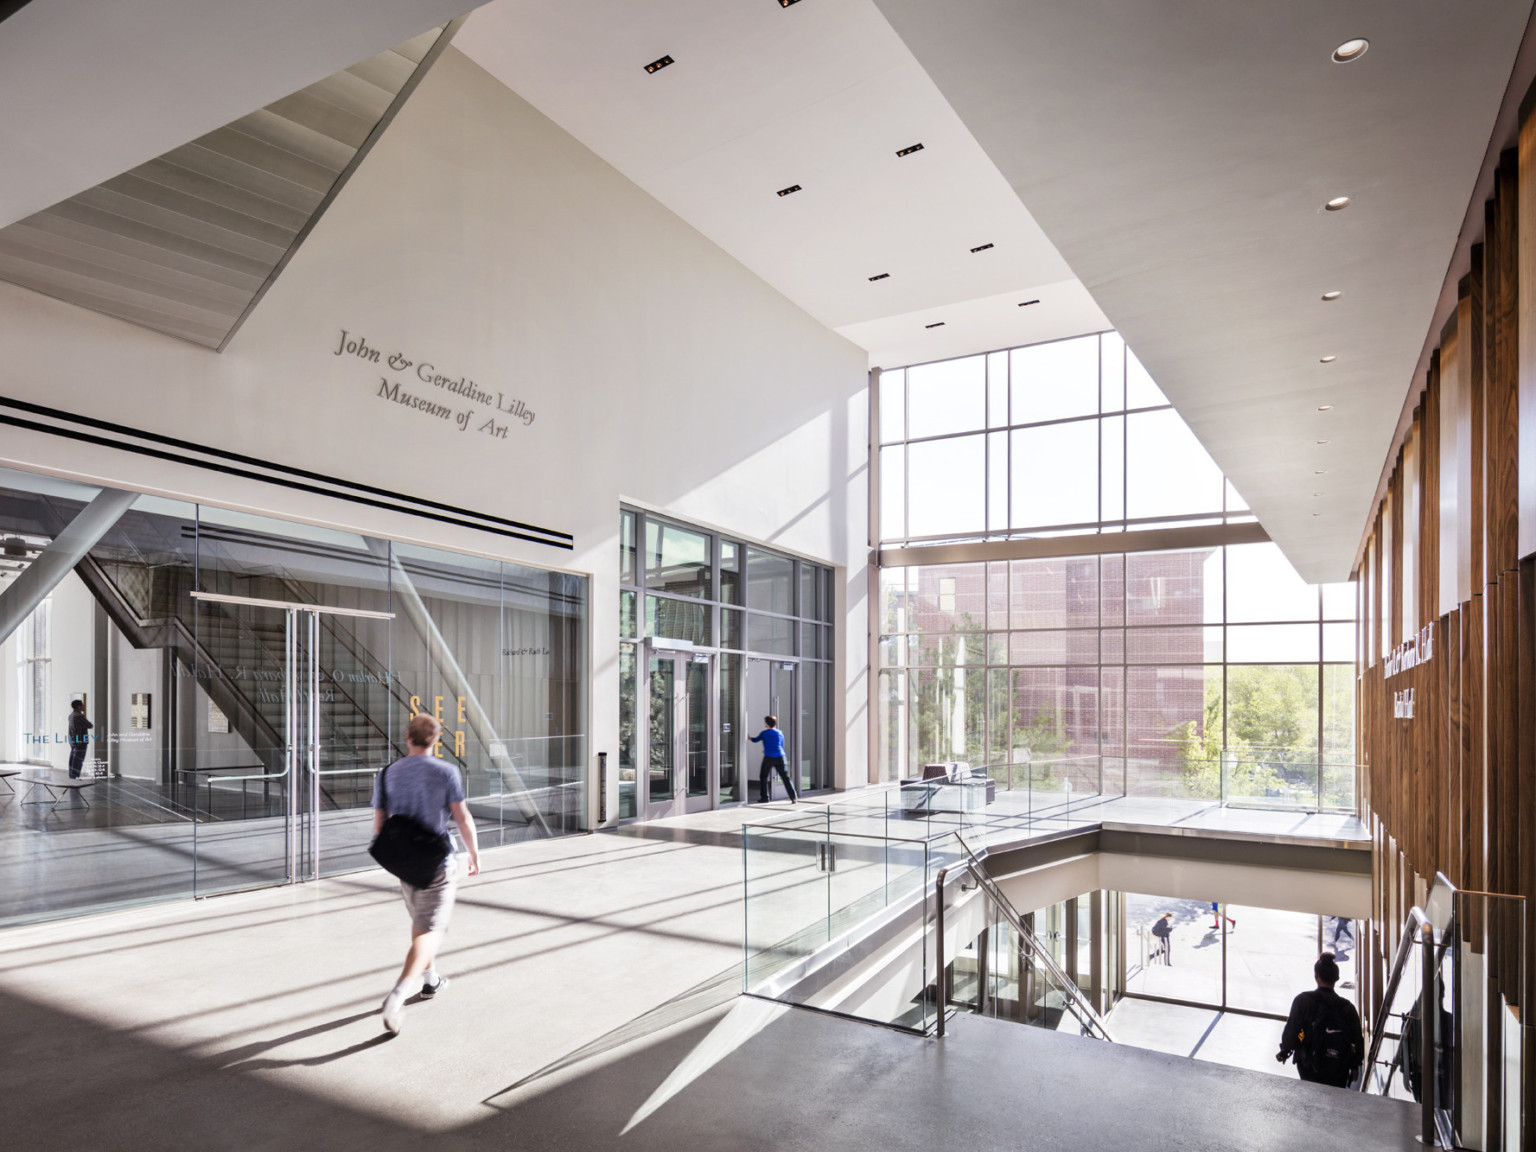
[(909, 151), (936, 324), (787, 191), (981, 248), (1027, 303), (1338, 203), (1350, 50), (1332, 295), (658, 65), (882, 276)]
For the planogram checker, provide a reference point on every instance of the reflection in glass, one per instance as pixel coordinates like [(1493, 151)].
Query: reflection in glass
[(663, 730), (730, 729), (731, 627), (696, 699), (730, 572), (770, 634), (770, 582), (677, 560), (628, 717), (677, 620), (626, 548), (627, 614)]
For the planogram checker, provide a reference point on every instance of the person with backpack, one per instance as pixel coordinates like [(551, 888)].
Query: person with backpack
[(1323, 1031), (413, 801)]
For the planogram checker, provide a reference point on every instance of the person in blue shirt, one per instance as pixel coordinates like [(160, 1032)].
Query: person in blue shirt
[(772, 741)]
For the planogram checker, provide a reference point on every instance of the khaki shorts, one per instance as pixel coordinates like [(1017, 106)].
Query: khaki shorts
[(430, 907)]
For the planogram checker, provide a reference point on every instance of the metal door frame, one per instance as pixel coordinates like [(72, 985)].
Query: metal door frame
[(301, 738), (681, 655)]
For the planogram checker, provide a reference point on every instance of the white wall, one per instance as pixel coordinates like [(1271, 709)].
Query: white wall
[(480, 237)]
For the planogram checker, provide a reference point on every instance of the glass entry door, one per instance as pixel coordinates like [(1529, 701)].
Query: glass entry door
[(680, 734), (771, 691), (302, 809)]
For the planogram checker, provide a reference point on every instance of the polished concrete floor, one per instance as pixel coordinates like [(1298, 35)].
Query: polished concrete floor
[(593, 1005)]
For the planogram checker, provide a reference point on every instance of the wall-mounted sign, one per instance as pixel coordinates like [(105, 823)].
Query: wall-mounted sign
[(217, 720), (139, 710), (1412, 652), (423, 387), (1402, 704)]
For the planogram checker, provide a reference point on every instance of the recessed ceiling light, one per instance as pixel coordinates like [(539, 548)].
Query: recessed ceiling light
[(1325, 407), (787, 191), (1350, 50), (937, 324), (882, 276), (658, 65), (1327, 359), (787, 3), (1317, 513), (1317, 493), (1322, 442), (981, 248), (909, 151), (1027, 303), (1326, 295), (1336, 203), (1321, 472)]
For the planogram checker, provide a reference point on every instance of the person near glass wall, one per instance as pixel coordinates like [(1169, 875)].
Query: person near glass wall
[(1323, 1031), (1162, 928), (79, 737), (429, 791), (772, 740)]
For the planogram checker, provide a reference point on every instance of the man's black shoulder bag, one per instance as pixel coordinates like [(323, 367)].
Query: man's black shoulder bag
[(407, 848)]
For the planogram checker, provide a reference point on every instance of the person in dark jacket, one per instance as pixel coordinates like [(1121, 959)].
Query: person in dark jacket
[(79, 737), (1323, 1031), (772, 741), (1162, 928)]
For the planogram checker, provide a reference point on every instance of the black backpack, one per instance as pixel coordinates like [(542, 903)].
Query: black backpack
[(1328, 1046)]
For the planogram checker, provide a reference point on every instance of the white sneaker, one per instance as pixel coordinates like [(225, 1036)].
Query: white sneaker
[(393, 1011)]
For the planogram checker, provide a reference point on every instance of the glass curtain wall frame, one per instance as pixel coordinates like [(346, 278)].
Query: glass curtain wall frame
[(1135, 679), (1070, 436), (729, 606), (192, 707), (1119, 674)]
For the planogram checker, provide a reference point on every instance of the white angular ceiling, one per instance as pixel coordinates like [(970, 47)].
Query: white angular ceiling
[(1179, 156), (820, 94)]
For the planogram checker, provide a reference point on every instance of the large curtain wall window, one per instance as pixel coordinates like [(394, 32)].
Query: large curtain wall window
[(1205, 672), (758, 625)]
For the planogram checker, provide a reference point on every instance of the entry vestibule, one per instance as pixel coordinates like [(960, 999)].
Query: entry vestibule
[(716, 634)]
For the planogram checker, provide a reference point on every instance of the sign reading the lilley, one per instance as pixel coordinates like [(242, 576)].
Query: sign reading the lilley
[(470, 406)]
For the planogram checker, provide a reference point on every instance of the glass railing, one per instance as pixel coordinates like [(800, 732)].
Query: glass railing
[(879, 912)]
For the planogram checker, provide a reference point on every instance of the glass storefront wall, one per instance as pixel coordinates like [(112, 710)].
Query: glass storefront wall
[(244, 679), (1200, 673), (715, 634)]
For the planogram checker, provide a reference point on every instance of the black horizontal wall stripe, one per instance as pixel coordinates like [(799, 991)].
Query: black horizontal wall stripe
[(405, 503), (230, 470)]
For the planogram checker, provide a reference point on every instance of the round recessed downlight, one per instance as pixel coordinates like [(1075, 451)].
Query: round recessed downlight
[(1332, 295), (1350, 50), (1327, 359), (1336, 203), (1325, 407)]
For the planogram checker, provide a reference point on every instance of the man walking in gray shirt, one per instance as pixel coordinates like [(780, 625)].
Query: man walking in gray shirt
[(430, 791)]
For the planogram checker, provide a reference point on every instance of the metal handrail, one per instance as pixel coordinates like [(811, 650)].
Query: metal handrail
[(1086, 1013), (1413, 929)]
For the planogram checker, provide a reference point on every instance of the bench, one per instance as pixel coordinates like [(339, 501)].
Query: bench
[(5, 774), (58, 787)]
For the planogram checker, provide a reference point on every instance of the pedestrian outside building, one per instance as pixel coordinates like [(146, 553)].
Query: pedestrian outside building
[(1162, 928), (772, 740), (1323, 1031), (424, 789)]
